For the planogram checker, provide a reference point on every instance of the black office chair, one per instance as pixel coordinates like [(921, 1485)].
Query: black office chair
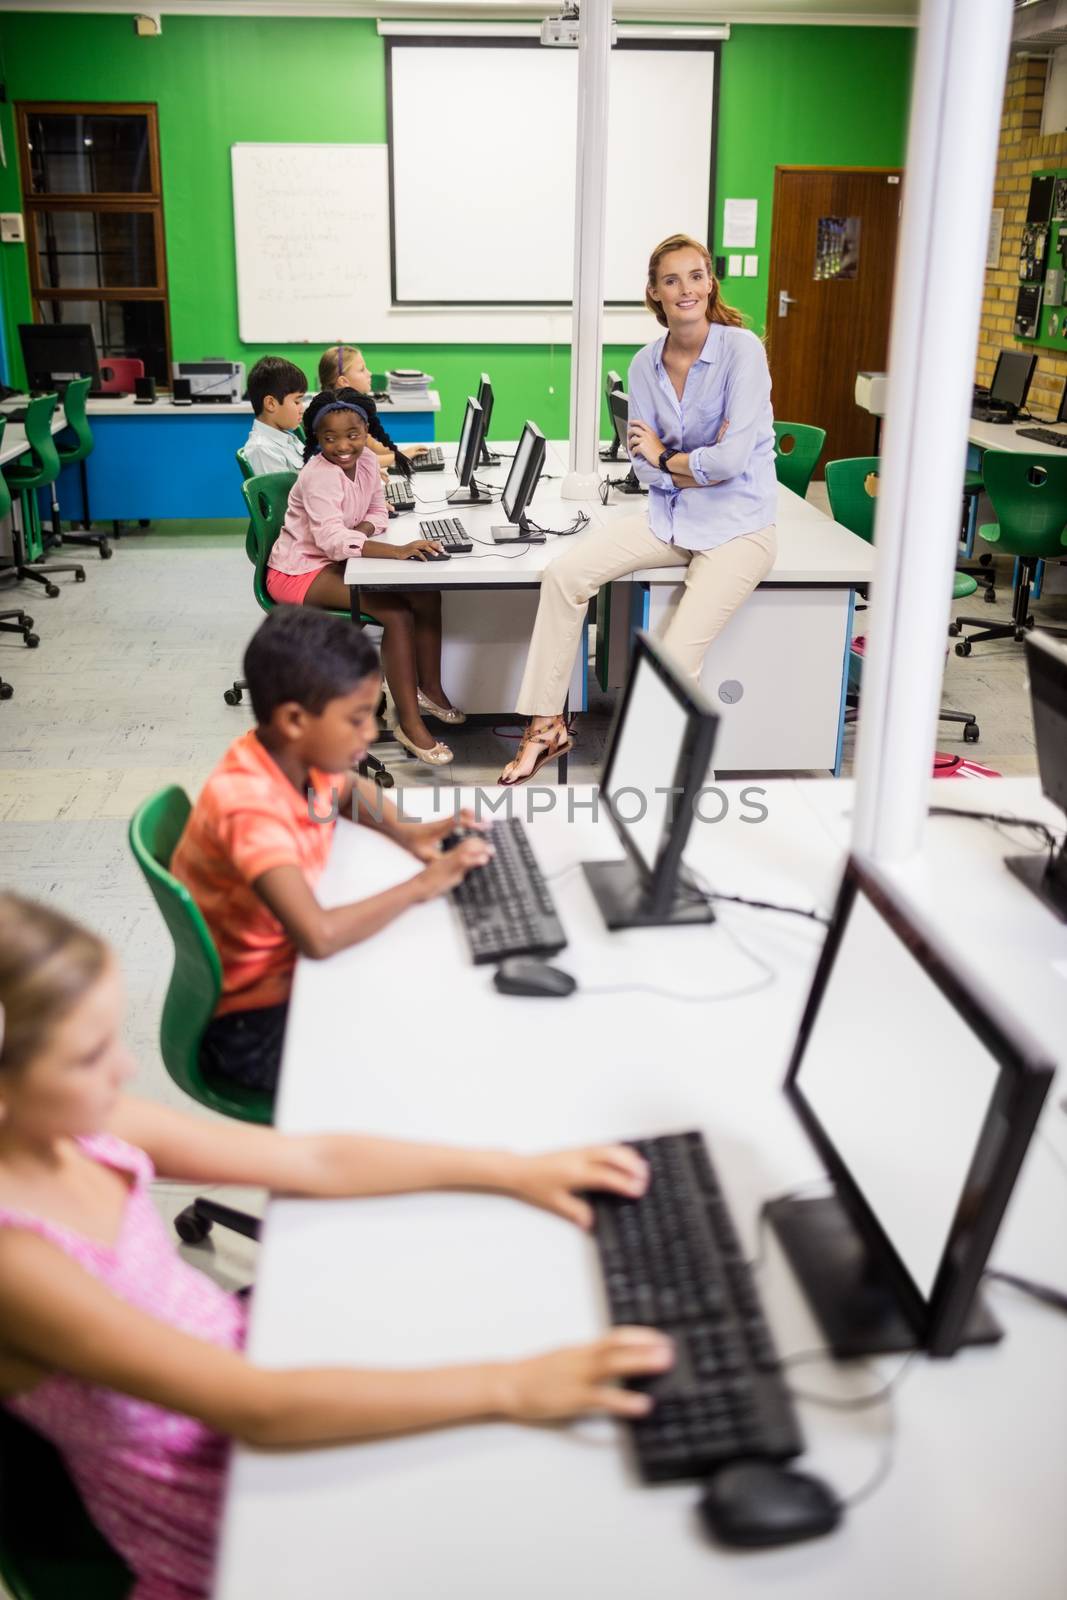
[(50, 1549)]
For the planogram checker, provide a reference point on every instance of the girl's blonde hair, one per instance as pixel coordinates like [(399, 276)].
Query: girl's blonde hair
[(333, 362), (47, 963), (717, 309)]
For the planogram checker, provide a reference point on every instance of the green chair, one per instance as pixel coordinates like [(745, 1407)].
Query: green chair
[(13, 621), (50, 1549), (235, 693), (70, 455), (1029, 496), (267, 497), (852, 486), (25, 481), (195, 987), (796, 450)]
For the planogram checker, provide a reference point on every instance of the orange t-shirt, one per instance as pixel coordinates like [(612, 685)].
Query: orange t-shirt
[(248, 819)]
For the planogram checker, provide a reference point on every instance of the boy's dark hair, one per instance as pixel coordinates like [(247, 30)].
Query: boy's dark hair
[(273, 375), (325, 401), (298, 653)]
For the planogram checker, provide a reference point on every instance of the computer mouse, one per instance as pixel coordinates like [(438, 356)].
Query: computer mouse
[(393, 512), (437, 555), (521, 975), (759, 1503)]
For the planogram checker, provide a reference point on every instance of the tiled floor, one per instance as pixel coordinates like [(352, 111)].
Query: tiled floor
[(124, 695)]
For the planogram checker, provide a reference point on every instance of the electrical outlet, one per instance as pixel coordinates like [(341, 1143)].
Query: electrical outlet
[(12, 228)]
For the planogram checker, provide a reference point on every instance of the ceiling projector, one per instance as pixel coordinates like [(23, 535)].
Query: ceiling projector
[(562, 31)]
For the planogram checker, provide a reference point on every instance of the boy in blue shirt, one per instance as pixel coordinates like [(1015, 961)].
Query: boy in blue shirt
[(276, 389)]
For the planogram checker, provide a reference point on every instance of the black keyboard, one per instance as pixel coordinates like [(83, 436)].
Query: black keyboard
[(398, 494), (1044, 436), (672, 1260), (431, 460), (18, 414), (449, 532), (991, 414), (506, 906)]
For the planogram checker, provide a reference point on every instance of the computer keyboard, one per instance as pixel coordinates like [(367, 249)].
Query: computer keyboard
[(450, 533), (16, 414), (430, 460), (1044, 436), (506, 906), (672, 1261), (399, 495)]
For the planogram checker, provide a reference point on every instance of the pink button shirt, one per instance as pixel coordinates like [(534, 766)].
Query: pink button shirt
[(325, 505)]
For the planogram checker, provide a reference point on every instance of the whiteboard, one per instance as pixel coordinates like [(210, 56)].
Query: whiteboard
[(482, 139), (311, 235)]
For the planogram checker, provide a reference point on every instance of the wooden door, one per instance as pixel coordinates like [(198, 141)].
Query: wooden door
[(833, 248)]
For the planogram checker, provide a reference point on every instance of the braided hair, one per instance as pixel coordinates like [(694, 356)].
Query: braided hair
[(321, 406)]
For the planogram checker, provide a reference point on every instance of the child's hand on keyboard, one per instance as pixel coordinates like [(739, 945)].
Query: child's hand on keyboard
[(445, 871), (556, 1181), (570, 1383)]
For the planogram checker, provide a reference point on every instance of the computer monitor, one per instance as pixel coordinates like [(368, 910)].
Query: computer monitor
[(518, 491), (55, 352), (1011, 380), (659, 756), (1061, 415), (470, 444), (920, 1098), (612, 382), (619, 406), (489, 457), (1046, 661)]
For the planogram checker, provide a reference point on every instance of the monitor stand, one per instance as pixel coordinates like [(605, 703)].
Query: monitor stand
[(488, 457), (473, 495), (631, 484), (521, 532), (854, 1303), (625, 902), (612, 451), (1047, 879)]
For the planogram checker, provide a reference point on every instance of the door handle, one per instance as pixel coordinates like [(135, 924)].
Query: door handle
[(785, 300)]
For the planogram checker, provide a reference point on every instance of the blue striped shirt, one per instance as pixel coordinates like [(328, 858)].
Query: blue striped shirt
[(729, 380)]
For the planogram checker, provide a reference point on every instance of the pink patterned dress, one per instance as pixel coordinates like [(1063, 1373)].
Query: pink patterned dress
[(152, 1480)]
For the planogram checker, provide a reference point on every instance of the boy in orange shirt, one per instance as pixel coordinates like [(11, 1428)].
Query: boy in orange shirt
[(257, 839)]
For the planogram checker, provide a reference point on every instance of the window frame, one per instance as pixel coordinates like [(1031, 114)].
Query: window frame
[(147, 201)]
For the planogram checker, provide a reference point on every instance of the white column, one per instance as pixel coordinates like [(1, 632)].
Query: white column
[(948, 189), (594, 56)]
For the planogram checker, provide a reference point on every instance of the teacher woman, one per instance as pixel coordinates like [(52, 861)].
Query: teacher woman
[(701, 438)]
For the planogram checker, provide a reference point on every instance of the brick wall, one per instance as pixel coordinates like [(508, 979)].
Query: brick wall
[(1022, 152)]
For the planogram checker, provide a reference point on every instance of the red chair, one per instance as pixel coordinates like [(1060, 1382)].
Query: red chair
[(117, 374)]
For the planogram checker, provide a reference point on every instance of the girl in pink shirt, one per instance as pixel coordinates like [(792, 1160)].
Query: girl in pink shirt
[(129, 1360), (337, 510)]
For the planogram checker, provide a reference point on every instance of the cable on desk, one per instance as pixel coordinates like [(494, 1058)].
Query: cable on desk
[(770, 976), (1045, 1292), (580, 523), (710, 896), (883, 1395), (1005, 819)]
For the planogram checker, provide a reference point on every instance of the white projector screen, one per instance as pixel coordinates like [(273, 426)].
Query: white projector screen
[(482, 166)]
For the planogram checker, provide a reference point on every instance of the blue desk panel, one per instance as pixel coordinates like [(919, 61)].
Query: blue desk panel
[(155, 467)]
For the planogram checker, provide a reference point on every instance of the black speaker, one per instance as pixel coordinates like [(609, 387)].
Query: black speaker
[(145, 390), (182, 391)]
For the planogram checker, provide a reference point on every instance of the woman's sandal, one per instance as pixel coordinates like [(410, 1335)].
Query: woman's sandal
[(549, 753), (449, 714), (438, 755)]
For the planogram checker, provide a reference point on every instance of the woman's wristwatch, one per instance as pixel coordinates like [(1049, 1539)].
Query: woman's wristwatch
[(665, 456)]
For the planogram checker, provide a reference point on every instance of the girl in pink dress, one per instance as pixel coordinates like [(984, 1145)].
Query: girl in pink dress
[(129, 1360)]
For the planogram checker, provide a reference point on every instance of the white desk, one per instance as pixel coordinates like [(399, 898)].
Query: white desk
[(15, 443), (972, 1509), (786, 649)]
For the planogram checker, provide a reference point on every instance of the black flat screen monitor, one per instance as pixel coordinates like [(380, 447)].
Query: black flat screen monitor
[(920, 1098), (612, 382), (1045, 872), (488, 457), (470, 445), (526, 469), (1011, 380), (658, 760), (55, 352), (619, 406)]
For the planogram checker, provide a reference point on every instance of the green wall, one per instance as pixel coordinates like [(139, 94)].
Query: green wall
[(789, 95)]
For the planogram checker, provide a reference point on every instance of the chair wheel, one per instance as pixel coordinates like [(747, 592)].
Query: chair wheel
[(384, 779), (51, 590), (953, 629), (6, 691), (232, 697), (970, 732), (990, 595), (27, 622), (105, 550), (190, 1227), (30, 640), (964, 648), (79, 576)]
